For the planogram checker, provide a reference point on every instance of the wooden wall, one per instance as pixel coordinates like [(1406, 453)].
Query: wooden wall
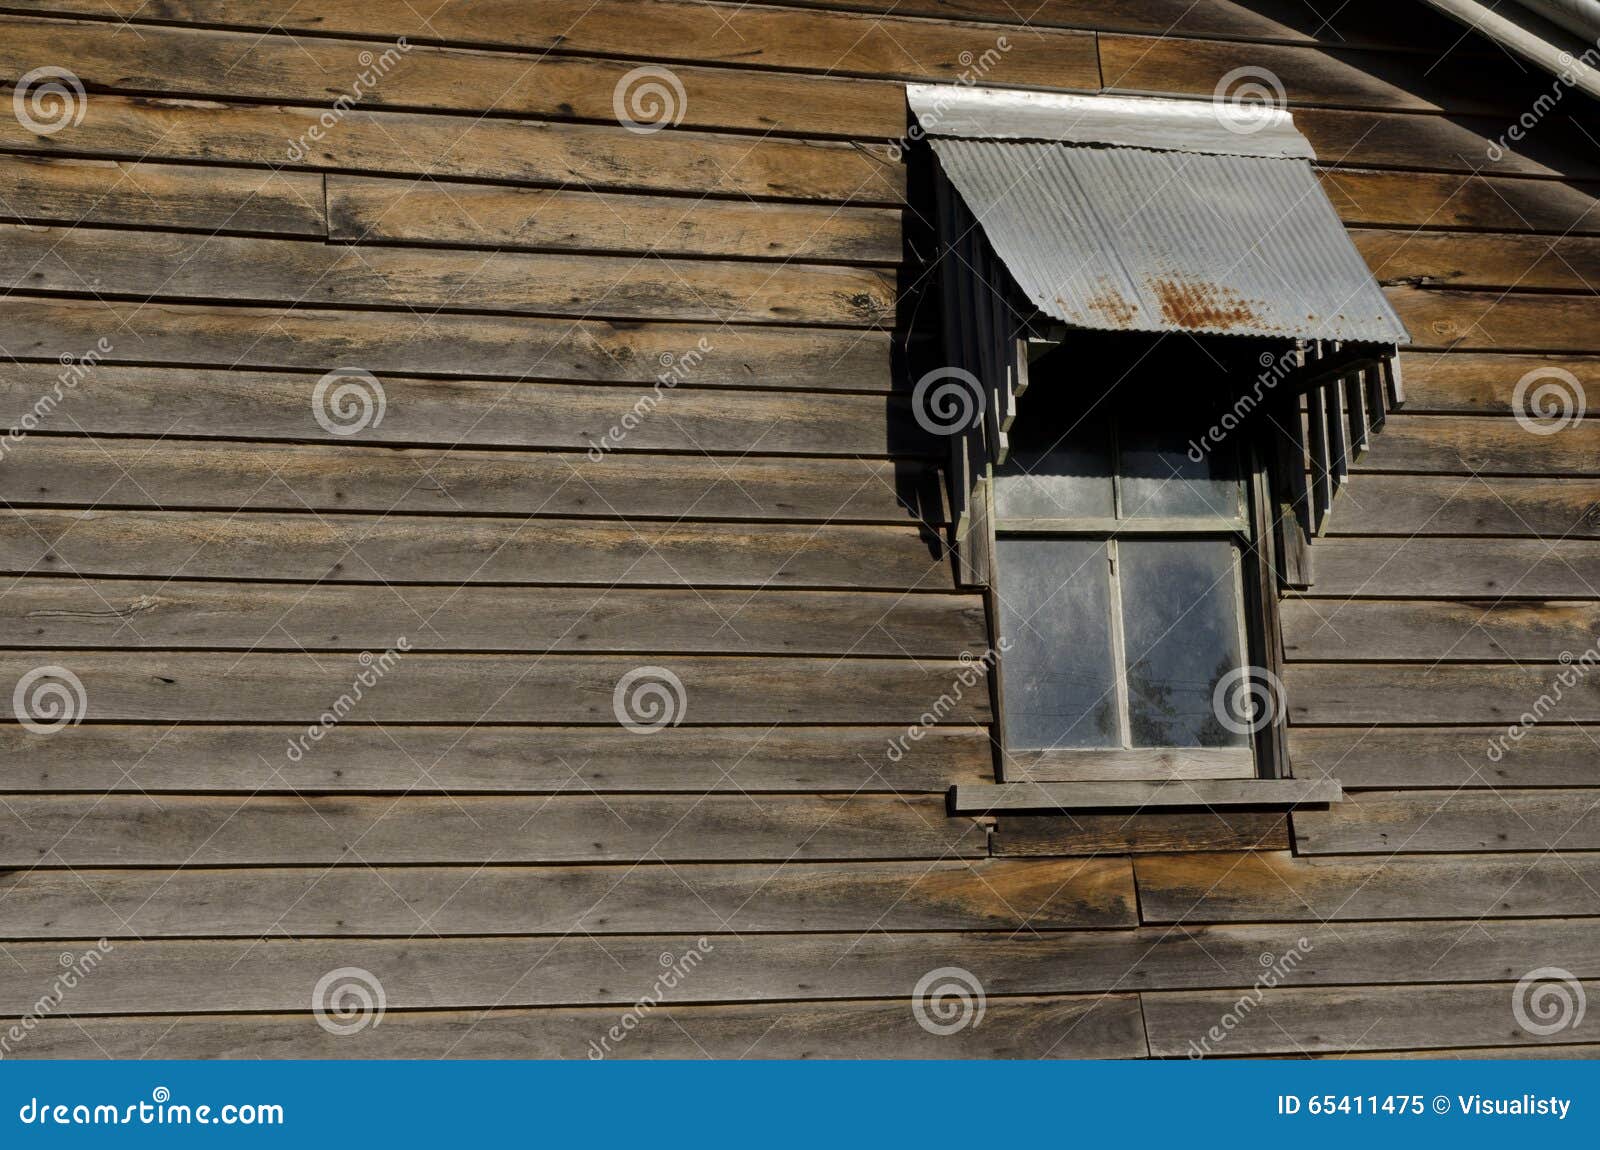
[(516, 269)]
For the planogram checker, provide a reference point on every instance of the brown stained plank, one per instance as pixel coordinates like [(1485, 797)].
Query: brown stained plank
[(199, 402), (1473, 445), (519, 348), (1546, 756), (1337, 1020), (65, 613), (1383, 629), (373, 210), (984, 894), (311, 830), (1168, 65), (1422, 822), (1457, 568), (1448, 693), (102, 757), (1462, 200), (1094, 1026), (1201, 888), (1069, 835), (1495, 320), (231, 65), (426, 549), (431, 973), (1486, 382), (837, 43), (424, 687), (48, 190), (1455, 505), (1482, 260), (1436, 143), (520, 151), (175, 473), (168, 265)]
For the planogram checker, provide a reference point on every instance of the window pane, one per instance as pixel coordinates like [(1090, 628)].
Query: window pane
[(1180, 612), (1159, 478), (1051, 477), (1055, 611)]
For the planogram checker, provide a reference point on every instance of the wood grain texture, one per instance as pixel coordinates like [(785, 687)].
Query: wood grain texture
[(1447, 693), (1403, 822), (1450, 757), (1458, 568), (1477, 445), (402, 758), (1484, 382), (1473, 319), (1201, 888), (322, 830), (1436, 200), (1550, 507), (1094, 834), (1481, 260), (1426, 630)]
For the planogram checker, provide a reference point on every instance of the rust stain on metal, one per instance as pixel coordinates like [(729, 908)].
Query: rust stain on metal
[(1204, 306), (1110, 306)]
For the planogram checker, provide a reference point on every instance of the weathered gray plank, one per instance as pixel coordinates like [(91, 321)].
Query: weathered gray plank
[(1090, 834), (1140, 795), (65, 613), (1277, 886), (1377, 504), (399, 549), (1458, 568), (1545, 756), (1448, 693), (1472, 445), (174, 473), (1429, 821), (103, 757), (396, 687), (1490, 630), (311, 830), (1485, 382), (751, 898)]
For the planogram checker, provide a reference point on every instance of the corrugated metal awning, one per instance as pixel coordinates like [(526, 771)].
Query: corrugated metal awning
[(1124, 213)]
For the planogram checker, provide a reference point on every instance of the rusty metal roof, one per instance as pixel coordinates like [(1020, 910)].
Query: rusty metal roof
[(1146, 239)]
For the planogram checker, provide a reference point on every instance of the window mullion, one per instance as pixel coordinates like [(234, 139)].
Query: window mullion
[(1119, 660)]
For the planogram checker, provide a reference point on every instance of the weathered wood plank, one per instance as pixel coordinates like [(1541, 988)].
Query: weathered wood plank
[(1095, 1026), (64, 613), (314, 830), (1546, 756), (43, 189), (1435, 200), (1458, 568), (1486, 382), (1067, 835), (1140, 795), (429, 549), (373, 210), (1481, 260), (1489, 445), (1557, 508), (1340, 1020), (985, 894), (179, 265), (1443, 144), (1491, 631), (423, 687), (518, 348), (519, 151), (1447, 693), (1419, 822), (102, 757), (1199, 888), (1468, 319), (175, 473), (116, 399)]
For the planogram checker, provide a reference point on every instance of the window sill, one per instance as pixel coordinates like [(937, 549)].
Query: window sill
[(1101, 796)]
